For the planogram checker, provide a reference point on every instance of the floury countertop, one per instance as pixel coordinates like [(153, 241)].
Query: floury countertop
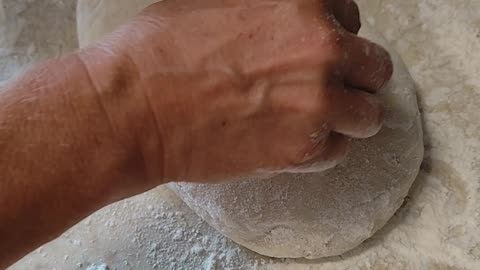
[(437, 228)]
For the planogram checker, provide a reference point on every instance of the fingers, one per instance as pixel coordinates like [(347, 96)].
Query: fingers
[(358, 114), (347, 14), (326, 154), (367, 66)]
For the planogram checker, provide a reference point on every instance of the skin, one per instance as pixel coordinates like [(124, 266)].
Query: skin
[(195, 90)]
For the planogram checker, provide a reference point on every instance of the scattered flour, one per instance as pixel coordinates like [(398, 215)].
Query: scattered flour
[(32, 30), (437, 228), (98, 267)]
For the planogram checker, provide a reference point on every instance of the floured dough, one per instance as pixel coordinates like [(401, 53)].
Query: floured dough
[(95, 18), (310, 215)]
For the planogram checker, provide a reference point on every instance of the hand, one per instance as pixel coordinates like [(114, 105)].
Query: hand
[(237, 88)]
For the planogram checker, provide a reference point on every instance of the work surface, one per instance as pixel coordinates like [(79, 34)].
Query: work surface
[(437, 228)]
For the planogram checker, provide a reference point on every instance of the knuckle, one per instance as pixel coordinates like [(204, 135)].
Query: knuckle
[(312, 104), (335, 44), (322, 105), (317, 110), (313, 107), (337, 39), (303, 153)]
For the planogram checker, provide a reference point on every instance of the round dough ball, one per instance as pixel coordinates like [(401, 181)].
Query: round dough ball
[(303, 215), (328, 213), (95, 18)]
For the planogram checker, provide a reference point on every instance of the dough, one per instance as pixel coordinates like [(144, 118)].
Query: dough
[(305, 215), (95, 18)]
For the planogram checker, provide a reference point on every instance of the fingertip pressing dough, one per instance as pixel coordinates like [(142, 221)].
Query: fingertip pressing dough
[(304, 215)]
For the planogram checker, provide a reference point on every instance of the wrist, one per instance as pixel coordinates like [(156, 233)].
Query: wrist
[(153, 69), (115, 81)]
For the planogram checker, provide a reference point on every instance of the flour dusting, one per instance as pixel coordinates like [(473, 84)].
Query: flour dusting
[(437, 228)]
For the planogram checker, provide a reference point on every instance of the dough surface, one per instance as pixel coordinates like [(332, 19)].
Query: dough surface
[(95, 18), (310, 215)]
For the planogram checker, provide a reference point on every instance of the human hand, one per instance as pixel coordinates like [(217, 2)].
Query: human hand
[(238, 88)]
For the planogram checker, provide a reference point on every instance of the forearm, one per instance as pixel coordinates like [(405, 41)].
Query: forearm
[(62, 154)]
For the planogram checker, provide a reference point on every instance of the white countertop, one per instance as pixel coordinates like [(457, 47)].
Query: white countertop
[(438, 228)]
